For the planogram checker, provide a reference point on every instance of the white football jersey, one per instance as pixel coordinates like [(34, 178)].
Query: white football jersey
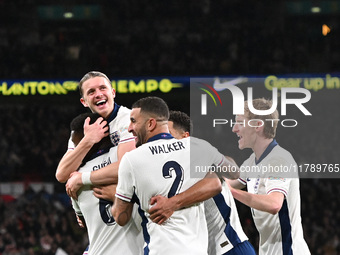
[(119, 122), (105, 236), (224, 227), (162, 167), (282, 233)]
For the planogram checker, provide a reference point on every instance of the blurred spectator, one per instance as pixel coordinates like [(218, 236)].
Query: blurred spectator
[(182, 38), (35, 223)]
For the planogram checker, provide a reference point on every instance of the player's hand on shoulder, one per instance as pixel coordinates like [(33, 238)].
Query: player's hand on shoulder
[(96, 131)]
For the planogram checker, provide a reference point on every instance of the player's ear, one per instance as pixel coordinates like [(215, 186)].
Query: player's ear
[(83, 102), (152, 123), (185, 134), (113, 92), (259, 126)]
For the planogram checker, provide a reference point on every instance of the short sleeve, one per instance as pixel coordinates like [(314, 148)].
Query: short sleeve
[(277, 184), (125, 135), (124, 122), (276, 181), (204, 153), (242, 180), (202, 156), (125, 187), (216, 157), (243, 175)]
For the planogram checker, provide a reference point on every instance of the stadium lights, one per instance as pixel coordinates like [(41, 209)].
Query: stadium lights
[(325, 30), (68, 15), (315, 9)]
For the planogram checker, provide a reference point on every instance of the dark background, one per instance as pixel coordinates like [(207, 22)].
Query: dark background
[(150, 39)]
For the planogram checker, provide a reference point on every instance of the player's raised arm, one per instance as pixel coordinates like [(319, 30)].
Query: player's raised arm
[(72, 159), (109, 174), (103, 176)]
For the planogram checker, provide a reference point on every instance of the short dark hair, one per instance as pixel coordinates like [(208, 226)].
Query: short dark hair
[(155, 106), (88, 76), (181, 121), (77, 126)]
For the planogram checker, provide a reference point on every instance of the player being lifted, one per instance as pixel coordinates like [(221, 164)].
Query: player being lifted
[(105, 236)]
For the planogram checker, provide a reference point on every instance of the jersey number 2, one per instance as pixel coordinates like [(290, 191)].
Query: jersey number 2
[(105, 212), (168, 169)]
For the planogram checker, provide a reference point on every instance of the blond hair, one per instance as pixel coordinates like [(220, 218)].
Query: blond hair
[(90, 75), (270, 121)]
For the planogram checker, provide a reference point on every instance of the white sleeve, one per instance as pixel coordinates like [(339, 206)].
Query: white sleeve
[(275, 184), (76, 207), (136, 217), (204, 153), (242, 180), (277, 181), (243, 175), (125, 187), (215, 156), (70, 145), (124, 134), (202, 156)]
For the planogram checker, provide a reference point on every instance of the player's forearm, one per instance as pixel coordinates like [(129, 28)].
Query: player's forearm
[(121, 211), (235, 184), (230, 169), (201, 191), (270, 203), (105, 175), (109, 174), (71, 161)]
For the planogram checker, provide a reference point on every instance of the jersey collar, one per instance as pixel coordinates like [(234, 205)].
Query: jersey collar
[(267, 151), (160, 136), (114, 113)]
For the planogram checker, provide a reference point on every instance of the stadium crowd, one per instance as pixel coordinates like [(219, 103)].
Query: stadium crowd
[(182, 38), (39, 223)]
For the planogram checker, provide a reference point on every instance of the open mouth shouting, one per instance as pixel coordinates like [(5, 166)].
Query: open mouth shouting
[(101, 103), (240, 140)]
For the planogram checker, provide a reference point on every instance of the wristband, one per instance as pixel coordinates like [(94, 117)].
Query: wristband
[(86, 178)]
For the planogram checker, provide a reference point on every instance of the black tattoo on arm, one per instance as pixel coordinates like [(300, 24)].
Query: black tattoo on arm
[(123, 216), (122, 211)]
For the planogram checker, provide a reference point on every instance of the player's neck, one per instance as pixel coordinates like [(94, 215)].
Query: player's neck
[(158, 130), (260, 146)]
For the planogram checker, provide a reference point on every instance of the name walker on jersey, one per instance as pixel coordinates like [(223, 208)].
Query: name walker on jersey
[(166, 148)]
